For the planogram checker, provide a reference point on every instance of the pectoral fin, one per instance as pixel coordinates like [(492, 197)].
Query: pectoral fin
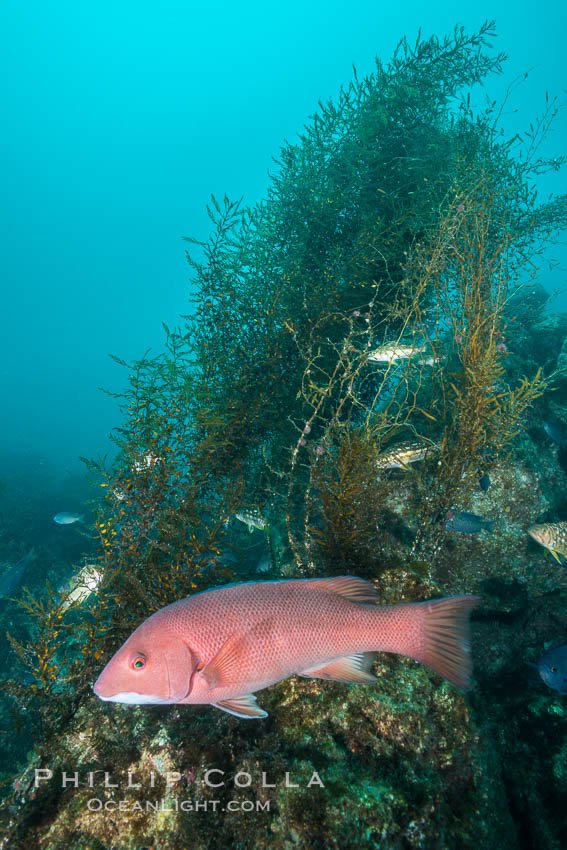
[(229, 665), (244, 706), (224, 669), (352, 668)]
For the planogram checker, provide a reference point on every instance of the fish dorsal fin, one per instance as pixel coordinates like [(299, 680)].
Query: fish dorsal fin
[(352, 668), (244, 706), (351, 587)]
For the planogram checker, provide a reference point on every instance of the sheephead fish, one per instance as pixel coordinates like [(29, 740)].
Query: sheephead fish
[(405, 453), (220, 646), (552, 535)]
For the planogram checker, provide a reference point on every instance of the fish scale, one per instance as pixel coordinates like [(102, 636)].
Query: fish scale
[(220, 646), (299, 627)]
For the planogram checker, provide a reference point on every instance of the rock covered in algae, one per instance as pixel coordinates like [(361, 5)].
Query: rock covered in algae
[(400, 763)]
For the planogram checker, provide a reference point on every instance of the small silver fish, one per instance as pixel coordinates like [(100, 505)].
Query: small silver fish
[(430, 360), (390, 352), (264, 564), (81, 585), (145, 461), (67, 518), (252, 518), (405, 453)]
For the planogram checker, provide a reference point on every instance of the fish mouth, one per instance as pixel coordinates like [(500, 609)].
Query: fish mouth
[(131, 698), (126, 697)]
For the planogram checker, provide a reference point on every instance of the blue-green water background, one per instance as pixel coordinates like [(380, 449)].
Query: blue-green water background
[(119, 120)]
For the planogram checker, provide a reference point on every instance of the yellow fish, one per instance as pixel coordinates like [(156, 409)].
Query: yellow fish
[(552, 535)]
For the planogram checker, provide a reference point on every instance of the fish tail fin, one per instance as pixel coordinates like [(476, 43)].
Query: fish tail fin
[(446, 638)]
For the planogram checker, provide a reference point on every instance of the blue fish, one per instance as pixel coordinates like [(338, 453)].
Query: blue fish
[(467, 523), (552, 667), (13, 577), (67, 518), (484, 482), (556, 431)]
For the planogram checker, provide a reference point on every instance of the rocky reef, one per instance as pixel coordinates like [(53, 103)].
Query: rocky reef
[(356, 367)]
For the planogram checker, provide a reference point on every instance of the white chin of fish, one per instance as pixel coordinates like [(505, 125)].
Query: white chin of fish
[(132, 698)]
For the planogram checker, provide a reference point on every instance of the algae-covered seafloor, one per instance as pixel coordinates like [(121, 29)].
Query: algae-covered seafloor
[(366, 385)]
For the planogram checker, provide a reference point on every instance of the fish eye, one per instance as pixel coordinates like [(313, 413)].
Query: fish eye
[(138, 661), (553, 669)]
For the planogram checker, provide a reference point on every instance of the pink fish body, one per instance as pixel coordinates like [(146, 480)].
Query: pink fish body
[(221, 646)]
